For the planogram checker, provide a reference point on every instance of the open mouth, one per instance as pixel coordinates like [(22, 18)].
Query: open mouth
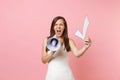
[(59, 32)]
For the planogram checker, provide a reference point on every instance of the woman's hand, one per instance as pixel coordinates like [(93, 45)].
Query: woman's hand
[(87, 42)]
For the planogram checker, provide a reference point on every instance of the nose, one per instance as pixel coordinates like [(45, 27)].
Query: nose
[(59, 26)]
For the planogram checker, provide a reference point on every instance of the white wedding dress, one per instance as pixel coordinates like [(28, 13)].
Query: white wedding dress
[(58, 68)]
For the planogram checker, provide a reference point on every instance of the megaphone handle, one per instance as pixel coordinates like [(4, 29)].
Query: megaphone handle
[(51, 53)]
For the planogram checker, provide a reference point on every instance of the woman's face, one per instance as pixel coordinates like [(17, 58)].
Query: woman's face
[(59, 27)]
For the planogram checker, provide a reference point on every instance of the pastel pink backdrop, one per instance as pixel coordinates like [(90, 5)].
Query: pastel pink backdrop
[(25, 23)]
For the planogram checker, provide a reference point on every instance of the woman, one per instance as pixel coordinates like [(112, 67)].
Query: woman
[(58, 63)]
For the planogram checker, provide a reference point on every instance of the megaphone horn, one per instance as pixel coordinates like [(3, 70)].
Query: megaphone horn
[(53, 44)]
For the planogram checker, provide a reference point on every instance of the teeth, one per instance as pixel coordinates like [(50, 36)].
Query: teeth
[(58, 30)]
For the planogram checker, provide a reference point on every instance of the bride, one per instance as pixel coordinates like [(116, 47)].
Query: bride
[(58, 61)]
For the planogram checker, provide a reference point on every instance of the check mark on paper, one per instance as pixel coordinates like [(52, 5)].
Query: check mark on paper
[(85, 27)]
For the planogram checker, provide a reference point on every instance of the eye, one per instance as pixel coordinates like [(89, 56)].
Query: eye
[(56, 24), (61, 24)]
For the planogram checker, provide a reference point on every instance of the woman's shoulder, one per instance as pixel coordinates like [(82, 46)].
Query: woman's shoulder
[(45, 39), (71, 40)]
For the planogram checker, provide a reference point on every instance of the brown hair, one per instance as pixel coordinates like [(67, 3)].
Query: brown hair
[(65, 32)]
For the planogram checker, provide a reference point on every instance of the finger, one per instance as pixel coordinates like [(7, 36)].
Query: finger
[(87, 41)]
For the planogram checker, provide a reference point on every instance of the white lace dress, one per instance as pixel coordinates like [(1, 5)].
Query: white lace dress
[(58, 68)]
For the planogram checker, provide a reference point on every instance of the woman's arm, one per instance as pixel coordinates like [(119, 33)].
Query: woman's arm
[(45, 56), (75, 50)]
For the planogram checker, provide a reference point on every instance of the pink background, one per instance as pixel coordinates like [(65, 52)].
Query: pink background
[(24, 24)]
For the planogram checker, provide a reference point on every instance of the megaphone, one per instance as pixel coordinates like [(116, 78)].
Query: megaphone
[(53, 43)]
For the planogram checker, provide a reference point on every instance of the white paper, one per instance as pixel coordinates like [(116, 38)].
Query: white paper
[(85, 27)]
